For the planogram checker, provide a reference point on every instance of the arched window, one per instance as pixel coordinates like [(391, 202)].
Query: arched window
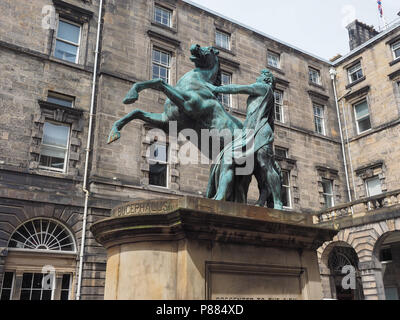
[(42, 234)]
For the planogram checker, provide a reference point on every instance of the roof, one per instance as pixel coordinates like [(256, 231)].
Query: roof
[(256, 31)]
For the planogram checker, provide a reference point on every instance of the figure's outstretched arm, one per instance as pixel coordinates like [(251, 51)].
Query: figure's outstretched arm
[(255, 89)]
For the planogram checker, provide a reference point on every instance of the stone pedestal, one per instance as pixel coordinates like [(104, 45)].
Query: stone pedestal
[(194, 248)]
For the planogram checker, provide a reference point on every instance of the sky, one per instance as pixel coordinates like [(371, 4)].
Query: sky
[(316, 26)]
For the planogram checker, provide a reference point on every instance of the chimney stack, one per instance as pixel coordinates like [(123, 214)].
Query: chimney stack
[(360, 33)]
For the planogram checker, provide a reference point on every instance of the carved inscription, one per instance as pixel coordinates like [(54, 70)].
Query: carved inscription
[(146, 207)]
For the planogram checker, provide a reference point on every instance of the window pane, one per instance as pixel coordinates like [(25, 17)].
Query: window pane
[(158, 175), (5, 294), (55, 134), (8, 280), (222, 40), (374, 187), (361, 109), (27, 280), (328, 201), (364, 125), (273, 60), (25, 295), (327, 186), (65, 282), (64, 295), (69, 32), (46, 295), (65, 51), (281, 152), (62, 102), (391, 293), (158, 152), (162, 16), (37, 280)]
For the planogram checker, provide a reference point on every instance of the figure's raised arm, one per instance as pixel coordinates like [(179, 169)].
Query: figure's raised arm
[(255, 89)]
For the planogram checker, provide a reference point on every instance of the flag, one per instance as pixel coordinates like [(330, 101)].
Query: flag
[(380, 8)]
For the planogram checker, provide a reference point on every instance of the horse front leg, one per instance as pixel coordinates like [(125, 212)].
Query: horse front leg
[(159, 120)]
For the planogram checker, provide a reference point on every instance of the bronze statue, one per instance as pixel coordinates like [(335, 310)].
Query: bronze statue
[(192, 104), (224, 184)]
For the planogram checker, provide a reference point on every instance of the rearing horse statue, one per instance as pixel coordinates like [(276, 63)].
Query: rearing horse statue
[(190, 103)]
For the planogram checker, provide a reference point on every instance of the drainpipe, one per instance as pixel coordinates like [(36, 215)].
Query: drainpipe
[(85, 176), (349, 151), (333, 74)]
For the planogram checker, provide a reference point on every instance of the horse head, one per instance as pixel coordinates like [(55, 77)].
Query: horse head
[(206, 59)]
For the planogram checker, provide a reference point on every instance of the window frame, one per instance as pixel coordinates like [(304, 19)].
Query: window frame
[(285, 151), (170, 15), (331, 195), (222, 95), (357, 120), (60, 96), (12, 286), (65, 167), (366, 185), (159, 64), (66, 41), (322, 107), (395, 46), (166, 163), (355, 71), (282, 120), (274, 54), (289, 191), (318, 72), (228, 35)]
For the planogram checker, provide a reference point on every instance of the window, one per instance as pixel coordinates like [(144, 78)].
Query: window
[(373, 186), (274, 59), (225, 99), (67, 41), (279, 106), (158, 165), (286, 202), (386, 255), (161, 65), (162, 16), (396, 50), (7, 288), (65, 286), (355, 73), (42, 234), (222, 40), (281, 152), (314, 76), (362, 117), (54, 148), (319, 119), (34, 287), (60, 99), (327, 187)]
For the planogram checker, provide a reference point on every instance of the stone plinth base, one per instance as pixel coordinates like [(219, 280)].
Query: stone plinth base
[(194, 248)]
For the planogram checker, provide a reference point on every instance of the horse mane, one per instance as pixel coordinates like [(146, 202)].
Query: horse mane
[(218, 79)]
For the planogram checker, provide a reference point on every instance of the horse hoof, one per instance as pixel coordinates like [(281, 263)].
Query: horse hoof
[(114, 136), (131, 97)]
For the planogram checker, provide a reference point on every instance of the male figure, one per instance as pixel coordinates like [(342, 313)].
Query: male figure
[(259, 125)]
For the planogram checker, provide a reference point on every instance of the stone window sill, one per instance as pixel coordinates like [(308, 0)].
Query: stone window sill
[(162, 26), (392, 63), (355, 82)]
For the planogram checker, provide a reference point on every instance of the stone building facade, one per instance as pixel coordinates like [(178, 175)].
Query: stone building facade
[(47, 65)]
